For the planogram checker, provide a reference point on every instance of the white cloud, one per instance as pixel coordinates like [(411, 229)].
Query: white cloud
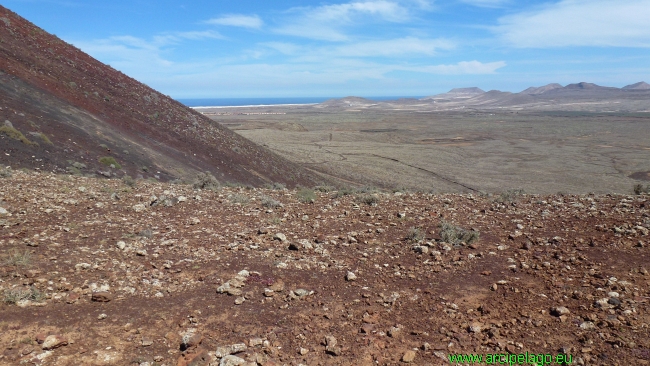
[(487, 3), (238, 20), (327, 22), (397, 48), (464, 67), (604, 23), (407, 46)]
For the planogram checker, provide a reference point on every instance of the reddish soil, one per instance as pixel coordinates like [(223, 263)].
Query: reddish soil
[(51, 87), (549, 274)]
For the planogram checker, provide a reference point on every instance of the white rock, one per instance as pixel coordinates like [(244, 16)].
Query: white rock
[(121, 245), (350, 276), (139, 207)]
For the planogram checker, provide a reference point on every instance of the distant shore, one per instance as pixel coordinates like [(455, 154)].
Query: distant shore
[(252, 106)]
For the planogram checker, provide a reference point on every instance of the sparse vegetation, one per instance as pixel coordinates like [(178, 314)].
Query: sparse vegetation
[(14, 295), (19, 259), (456, 235), (324, 189), (415, 235), (276, 186), (129, 181), (239, 198), (45, 139), (369, 199), (510, 195), (13, 133), (640, 189), (306, 195), (5, 172), (206, 181), (110, 162), (344, 191), (269, 202)]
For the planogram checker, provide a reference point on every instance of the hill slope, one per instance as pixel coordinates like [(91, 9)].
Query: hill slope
[(71, 108)]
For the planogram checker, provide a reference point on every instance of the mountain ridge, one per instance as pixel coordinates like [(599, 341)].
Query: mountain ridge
[(176, 141)]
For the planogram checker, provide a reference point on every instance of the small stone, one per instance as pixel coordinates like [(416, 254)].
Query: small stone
[(255, 342), (587, 325), (198, 358), (121, 245), (102, 316), (141, 252), (303, 351), (72, 298), (350, 276), (102, 296), (475, 327), (146, 342), (190, 339), (614, 301), (54, 341), (277, 286), (494, 287), (238, 347), (560, 310), (231, 360), (302, 292), (409, 356), (139, 207), (395, 332), (268, 292), (240, 300), (280, 236)]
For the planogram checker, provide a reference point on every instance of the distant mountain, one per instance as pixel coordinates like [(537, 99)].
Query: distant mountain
[(540, 90), (581, 96), (67, 112), (587, 86), (642, 85), (457, 93)]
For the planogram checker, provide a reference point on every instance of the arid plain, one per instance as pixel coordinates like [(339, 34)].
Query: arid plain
[(455, 151)]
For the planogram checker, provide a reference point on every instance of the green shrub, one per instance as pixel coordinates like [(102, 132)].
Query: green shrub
[(269, 202), (45, 138), (239, 198), (129, 181), (639, 189), (206, 181), (344, 191), (369, 199), (509, 196), (306, 195), (275, 186), (14, 295), (5, 172), (19, 259), (108, 161), (415, 235), (324, 189), (456, 235), (13, 133)]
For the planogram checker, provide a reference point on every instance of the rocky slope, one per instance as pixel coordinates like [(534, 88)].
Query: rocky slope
[(61, 110), (96, 272)]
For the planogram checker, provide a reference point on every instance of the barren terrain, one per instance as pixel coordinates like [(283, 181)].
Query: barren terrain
[(470, 151), (96, 272)]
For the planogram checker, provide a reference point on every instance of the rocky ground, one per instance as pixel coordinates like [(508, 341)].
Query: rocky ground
[(100, 272)]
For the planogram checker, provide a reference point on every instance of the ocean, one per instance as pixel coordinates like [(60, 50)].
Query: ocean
[(240, 102)]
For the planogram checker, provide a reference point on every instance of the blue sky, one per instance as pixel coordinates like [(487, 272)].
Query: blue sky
[(286, 48)]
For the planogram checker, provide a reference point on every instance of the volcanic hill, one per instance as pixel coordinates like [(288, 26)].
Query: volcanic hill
[(61, 110)]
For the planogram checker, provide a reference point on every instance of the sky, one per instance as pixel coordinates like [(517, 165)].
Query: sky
[(287, 48)]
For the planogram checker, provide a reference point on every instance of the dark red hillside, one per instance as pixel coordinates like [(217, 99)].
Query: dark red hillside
[(88, 110)]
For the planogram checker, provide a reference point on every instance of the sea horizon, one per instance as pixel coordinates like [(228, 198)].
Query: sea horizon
[(261, 102)]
